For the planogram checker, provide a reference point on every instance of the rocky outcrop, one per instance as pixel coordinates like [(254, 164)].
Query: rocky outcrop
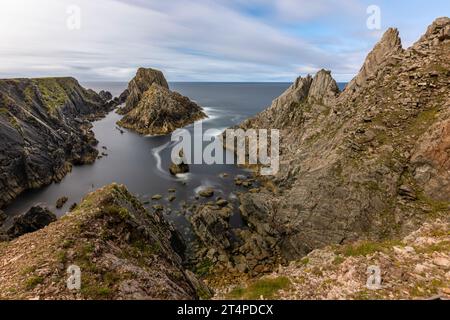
[(161, 111), (123, 251), (415, 267), (369, 162), (44, 129), (143, 80), (105, 95), (34, 219), (389, 46), (151, 108)]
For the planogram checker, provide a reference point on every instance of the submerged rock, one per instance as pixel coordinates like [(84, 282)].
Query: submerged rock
[(143, 80), (34, 219), (206, 193), (175, 169)]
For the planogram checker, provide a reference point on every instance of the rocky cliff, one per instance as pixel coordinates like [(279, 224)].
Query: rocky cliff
[(371, 162), (151, 108), (123, 251), (44, 129)]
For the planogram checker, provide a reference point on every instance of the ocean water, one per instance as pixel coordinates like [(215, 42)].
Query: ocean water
[(142, 162)]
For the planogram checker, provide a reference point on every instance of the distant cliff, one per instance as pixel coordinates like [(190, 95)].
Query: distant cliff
[(151, 108), (44, 129)]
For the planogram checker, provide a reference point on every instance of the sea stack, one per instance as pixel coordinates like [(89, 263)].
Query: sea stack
[(152, 108)]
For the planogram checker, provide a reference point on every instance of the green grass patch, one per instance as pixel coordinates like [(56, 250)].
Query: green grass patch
[(267, 288), (366, 248), (33, 281)]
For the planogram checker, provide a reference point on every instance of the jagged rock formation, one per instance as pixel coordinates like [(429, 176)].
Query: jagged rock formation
[(370, 162), (105, 95), (43, 131), (143, 80), (389, 45), (151, 108), (123, 251)]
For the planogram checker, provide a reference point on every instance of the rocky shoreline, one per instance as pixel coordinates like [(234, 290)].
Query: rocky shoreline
[(364, 179), (45, 129)]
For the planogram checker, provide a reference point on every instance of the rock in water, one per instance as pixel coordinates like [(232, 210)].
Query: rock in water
[(105, 95), (161, 111), (151, 108), (144, 79), (34, 219), (61, 202), (206, 193)]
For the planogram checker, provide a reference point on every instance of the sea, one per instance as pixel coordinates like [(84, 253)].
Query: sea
[(141, 162)]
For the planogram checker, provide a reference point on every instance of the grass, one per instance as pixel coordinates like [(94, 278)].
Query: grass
[(204, 268), (33, 281), (366, 248), (52, 92), (267, 288)]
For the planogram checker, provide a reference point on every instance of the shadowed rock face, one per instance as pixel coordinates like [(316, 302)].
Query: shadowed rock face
[(43, 131), (143, 80), (370, 162), (124, 252), (151, 108), (34, 219)]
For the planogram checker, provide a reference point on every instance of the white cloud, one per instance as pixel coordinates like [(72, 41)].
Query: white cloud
[(195, 40)]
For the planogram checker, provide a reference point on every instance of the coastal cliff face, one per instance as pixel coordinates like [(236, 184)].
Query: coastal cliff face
[(123, 251), (370, 162), (151, 108), (44, 129)]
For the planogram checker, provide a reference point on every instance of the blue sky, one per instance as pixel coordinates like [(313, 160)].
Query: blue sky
[(200, 40)]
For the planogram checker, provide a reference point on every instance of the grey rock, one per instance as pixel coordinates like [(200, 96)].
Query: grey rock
[(34, 219)]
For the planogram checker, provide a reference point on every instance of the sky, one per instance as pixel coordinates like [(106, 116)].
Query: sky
[(201, 40)]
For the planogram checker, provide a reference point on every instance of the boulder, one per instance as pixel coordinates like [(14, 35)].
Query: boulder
[(105, 95), (206, 192), (61, 202), (34, 219)]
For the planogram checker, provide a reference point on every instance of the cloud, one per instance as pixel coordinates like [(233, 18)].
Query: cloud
[(202, 40)]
